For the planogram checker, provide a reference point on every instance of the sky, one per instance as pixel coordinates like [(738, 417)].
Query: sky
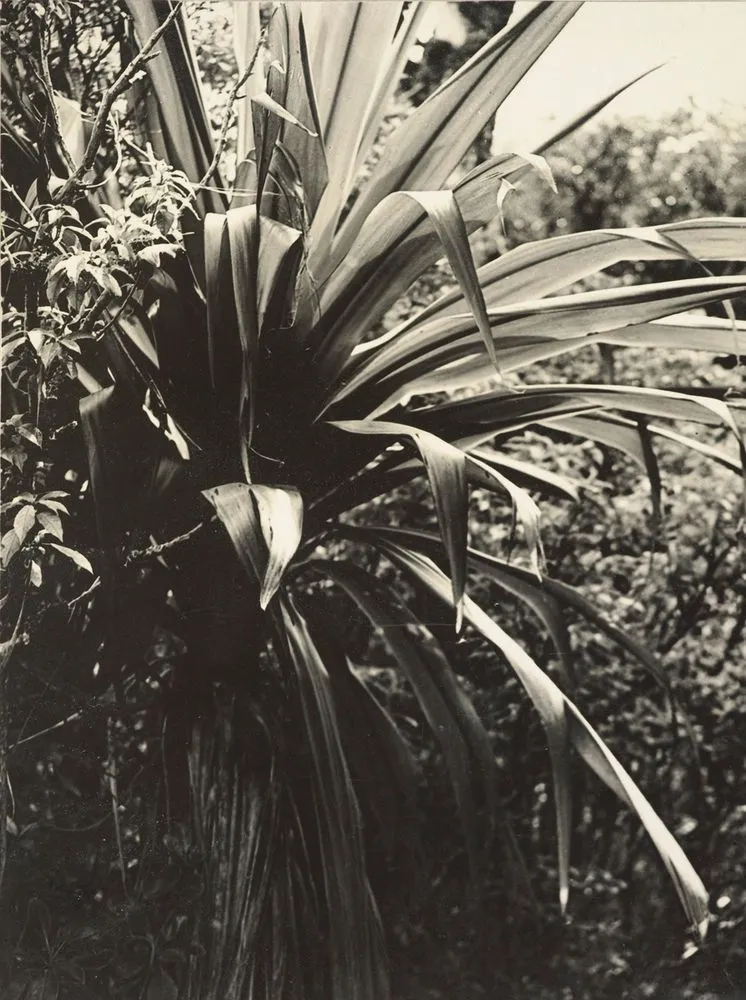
[(610, 41)]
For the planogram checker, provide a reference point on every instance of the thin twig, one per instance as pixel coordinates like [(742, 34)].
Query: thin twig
[(136, 555), (88, 322), (46, 81), (118, 87), (86, 593), (115, 318), (114, 791), (230, 108), (11, 190), (43, 732)]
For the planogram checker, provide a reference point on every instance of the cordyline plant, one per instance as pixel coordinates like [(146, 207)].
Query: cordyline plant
[(241, 413)]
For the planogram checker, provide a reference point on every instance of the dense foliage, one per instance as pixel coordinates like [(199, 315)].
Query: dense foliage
[(208, 514)]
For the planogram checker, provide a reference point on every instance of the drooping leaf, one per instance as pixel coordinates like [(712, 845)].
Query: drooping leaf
[(446, 469), (527, 474), (524, 585), (564, 723), (51, 522), (384, 770), (397, 242), (483, 474), (281, 518)]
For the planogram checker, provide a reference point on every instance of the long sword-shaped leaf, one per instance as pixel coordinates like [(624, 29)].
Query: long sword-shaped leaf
[(348, 44), (465, 745), (446, 340), (402, 237), (480, 413), (355, 952), (524, 585), (186, 138), (585, 116), (246, 37), (547, 698), (625, 435), (250, 272), (565, 723), (681, 332), (243, 243), (290, 87), (389, 77), (432, 141), (384, 770), (545, 267), (446, 469)]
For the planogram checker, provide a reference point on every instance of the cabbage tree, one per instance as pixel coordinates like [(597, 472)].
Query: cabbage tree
[(243, 415)]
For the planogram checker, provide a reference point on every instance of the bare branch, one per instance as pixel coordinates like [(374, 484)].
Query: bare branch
[(230, 107), (118, 87), (46, 82)]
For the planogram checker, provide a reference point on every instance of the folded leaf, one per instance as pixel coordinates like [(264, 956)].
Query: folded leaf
[(432, 141), (265, 524)]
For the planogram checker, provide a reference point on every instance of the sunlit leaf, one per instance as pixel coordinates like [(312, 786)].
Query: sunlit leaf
[(265, 525), (81, 561), (446, 468)]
